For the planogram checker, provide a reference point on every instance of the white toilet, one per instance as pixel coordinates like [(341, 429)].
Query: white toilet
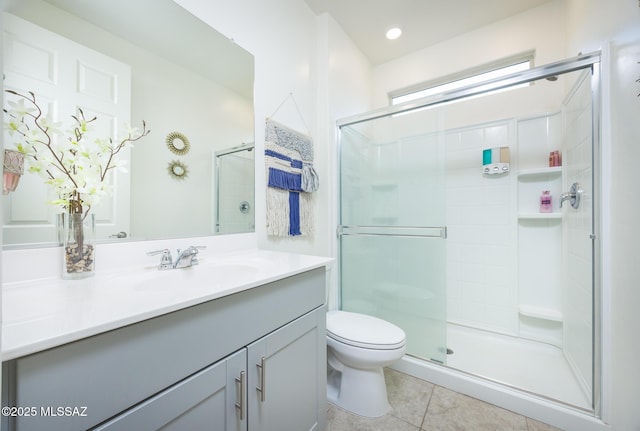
[(359, 346)]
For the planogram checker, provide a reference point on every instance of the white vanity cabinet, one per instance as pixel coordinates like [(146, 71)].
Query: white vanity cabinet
[(253, 360)]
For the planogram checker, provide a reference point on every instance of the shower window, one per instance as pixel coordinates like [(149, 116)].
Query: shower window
[(484, 73)]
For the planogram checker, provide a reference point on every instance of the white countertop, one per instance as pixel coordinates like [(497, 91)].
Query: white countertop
[(49, 312)]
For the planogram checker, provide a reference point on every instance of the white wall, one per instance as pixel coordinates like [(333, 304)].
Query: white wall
[(281, 35), (541, 28), (311, 58)]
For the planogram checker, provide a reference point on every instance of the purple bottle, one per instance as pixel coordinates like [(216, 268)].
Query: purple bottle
[(545, 202)]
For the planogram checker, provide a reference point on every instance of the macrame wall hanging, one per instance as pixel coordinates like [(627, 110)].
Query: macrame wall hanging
[(291, 178)]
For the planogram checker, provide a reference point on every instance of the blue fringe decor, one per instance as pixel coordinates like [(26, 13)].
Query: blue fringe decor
[(289, 204)]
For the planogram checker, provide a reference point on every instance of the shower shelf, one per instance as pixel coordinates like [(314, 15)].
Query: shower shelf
[(540, 172), (540, 216), (540, 313)]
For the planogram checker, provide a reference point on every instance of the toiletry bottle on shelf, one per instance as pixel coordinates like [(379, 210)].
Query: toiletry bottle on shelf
[(545, 202), (555, 158)]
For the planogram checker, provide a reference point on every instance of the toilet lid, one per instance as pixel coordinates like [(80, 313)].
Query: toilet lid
[(361, 330)]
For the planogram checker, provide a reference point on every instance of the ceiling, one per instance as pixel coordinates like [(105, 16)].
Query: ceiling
[(423, 22)]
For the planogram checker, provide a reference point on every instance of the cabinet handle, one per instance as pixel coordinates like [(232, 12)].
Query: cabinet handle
[(240, 405), (261, 389)]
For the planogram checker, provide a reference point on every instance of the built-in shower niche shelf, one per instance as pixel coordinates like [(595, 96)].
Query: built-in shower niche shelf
[(540, 216), (540, 313), (533, 174)]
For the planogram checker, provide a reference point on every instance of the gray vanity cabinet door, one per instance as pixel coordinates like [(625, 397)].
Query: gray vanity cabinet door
[(287, 376), (205, 401)]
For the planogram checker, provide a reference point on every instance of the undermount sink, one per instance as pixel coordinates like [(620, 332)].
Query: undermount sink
[(201, 276)]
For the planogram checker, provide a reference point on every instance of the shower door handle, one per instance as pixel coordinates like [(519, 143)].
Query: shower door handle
[(574, 196)]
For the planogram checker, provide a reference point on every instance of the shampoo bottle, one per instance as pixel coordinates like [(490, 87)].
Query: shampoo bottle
[(545, 202)]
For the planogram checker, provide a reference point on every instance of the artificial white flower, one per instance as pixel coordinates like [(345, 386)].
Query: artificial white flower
[(73, 163)]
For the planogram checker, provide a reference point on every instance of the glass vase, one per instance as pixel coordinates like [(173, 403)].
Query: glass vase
[(13, 168), (77, 231)]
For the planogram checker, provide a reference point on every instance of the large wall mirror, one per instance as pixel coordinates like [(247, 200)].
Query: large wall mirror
[(191, 85)]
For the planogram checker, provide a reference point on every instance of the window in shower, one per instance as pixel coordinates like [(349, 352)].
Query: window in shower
[(483, 73), (502, 290)]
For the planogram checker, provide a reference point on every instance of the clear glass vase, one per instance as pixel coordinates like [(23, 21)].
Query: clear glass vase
[(77, 232)]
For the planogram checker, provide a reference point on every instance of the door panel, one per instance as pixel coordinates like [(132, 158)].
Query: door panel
[(64, 76), (287, 376), (579, 232), (399, 279), (392, 248)]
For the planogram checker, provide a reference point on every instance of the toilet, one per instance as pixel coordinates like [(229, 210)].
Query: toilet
[(358, 347)]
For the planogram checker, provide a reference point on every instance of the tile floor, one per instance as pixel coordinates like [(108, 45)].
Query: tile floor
[(417, 405)]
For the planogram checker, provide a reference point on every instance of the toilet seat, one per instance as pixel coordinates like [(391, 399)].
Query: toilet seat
[(361, 330)]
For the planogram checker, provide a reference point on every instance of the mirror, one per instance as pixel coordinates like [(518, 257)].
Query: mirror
[(178, 143), (191, 85)]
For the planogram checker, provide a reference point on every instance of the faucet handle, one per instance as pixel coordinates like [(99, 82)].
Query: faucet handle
[(166, 262), (193, 252)]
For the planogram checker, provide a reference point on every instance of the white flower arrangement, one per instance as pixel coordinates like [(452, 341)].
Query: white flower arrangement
[(74, 163)]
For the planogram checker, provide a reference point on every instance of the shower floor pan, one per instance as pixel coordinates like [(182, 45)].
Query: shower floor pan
[(529, 365)]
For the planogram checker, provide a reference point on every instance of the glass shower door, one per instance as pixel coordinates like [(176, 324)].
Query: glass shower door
[(392, 231), (234, 190)]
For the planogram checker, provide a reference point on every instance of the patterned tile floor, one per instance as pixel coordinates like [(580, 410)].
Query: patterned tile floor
[(417, 405)]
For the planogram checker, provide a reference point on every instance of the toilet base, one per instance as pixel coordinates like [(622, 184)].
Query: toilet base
[(358, 391)]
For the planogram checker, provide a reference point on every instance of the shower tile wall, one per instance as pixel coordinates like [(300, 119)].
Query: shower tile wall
[(392, 183), (482, 231)]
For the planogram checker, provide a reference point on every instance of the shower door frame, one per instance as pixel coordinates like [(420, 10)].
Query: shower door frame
[(583, 61)]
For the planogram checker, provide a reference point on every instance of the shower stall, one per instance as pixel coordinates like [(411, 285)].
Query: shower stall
[(442, 232), (234, 190)]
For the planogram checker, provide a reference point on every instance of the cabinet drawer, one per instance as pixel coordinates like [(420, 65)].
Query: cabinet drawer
[(112, 371)]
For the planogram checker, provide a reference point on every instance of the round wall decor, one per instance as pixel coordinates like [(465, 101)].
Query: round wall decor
[(178, 143), (178, 170)]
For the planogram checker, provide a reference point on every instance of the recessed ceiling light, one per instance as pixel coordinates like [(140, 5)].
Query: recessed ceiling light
[(394, 33)]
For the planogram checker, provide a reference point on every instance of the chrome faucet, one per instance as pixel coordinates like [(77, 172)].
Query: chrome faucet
[(185, 259), (573, 196)]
